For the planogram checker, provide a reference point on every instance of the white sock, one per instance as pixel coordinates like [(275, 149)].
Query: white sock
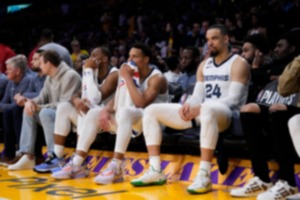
[(205, 166), (78, 160), (155, 163), (59, 150), (117, 161)]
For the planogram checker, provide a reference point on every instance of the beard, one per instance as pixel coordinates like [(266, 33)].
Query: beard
[(36, 69), (214, 53)]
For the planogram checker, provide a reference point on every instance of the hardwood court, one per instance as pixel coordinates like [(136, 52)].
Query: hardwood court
[(180, 169)]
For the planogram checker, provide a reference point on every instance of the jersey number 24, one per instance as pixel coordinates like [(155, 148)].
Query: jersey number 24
[(212, 90)]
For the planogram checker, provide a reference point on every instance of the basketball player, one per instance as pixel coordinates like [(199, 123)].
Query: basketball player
[(74, 112), (221, 88), (119, 117)]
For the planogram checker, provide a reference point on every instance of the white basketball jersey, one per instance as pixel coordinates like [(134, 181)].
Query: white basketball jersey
[(160, 97), (217, 79)]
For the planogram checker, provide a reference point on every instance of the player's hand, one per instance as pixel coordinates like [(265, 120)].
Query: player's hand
[(105, 119), (126, 71), (91, 63), (183, 112), (80, 105)]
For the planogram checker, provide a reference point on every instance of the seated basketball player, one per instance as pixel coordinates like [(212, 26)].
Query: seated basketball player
[(97, 69), (137, 88), (220, 90)]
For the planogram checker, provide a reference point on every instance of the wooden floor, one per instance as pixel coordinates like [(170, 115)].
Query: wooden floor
[(180, 170), (27, 185)]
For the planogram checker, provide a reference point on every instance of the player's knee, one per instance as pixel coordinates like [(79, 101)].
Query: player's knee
[(150, 111), (250, 108), (126, 113), (208, 112)]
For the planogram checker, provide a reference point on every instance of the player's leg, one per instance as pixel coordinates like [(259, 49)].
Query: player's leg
[(156, 115)]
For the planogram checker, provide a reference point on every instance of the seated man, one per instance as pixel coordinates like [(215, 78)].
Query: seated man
[(35, 86), (74, 112), (60, 85), (266, 120), (19, 82), (289, 84), (137, 88), (220, 90)]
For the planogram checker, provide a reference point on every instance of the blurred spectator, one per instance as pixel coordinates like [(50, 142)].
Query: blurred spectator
[(76, 50), (236, 49), (255, 50), (5, 53), (79, 63), (174, 70), (189, 61), (45, 37)]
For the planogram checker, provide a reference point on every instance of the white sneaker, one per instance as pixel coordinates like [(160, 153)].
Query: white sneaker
[(112, 174), (279, 191), (252, 188), (202, 183), (24, 163), (150, 177), (294, 197)]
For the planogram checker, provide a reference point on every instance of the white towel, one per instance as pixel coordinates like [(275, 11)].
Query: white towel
[(122, 97), (89, 88)]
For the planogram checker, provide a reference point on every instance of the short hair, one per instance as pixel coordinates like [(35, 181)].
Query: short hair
[(18, 61), (105, 50), (223, 29), (259, 41), (172, 62), (51, 56), (144, 48), (293, 39), (39, 51)]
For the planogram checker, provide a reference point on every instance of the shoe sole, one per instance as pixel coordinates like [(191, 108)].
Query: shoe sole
[(198, 192), (244, 196), (121, 179), (42, 171), (141, 184), (70, 177)]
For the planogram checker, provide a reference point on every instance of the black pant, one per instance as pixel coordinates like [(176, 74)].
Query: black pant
[(12, 123), (269, 130)]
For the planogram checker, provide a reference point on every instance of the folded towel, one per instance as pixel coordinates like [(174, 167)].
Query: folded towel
[(89, 88), (122, 97)]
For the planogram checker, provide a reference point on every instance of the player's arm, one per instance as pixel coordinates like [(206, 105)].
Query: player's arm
[(156, 85), (199, 90), (240, 76), (191, 108), (110, 84)]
